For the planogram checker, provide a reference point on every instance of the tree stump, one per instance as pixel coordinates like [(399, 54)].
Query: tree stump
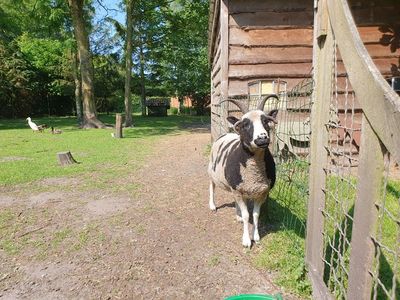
[(118, 126), (65, 158)]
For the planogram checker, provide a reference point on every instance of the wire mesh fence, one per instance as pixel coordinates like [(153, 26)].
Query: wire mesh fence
[(385, 270), (341, 189)]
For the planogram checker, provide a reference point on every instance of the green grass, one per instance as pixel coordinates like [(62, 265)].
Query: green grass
[(283, 248), (28, 156)]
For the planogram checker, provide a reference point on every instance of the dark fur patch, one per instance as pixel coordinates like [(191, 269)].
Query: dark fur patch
[(270, 167), (246, 130), (223, 152), (236, 158)]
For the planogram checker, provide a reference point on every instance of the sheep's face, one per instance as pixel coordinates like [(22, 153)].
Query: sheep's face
[(253, 128)]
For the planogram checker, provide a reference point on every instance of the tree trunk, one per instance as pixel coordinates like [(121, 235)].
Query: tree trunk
[(142, 80), (128, 65), (65, 158), (118, 126), (78, 87), (86, 67)]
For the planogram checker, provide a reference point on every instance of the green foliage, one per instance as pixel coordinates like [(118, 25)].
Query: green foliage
[(36, 45), (173, 111), (184, 65)]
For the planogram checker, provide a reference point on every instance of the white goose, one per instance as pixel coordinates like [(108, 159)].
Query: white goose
[(34, 126)]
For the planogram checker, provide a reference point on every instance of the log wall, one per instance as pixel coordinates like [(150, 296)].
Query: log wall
[(269, 40)]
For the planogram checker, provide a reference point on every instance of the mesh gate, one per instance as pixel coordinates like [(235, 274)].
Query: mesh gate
[(353, 224)]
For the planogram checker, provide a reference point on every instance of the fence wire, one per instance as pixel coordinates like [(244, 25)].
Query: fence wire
[(344, 127), (340, 190), (385, 270)]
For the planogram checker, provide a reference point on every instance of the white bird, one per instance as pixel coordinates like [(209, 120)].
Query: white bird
[(34, 126)]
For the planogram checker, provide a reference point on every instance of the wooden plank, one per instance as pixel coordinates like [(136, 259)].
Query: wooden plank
[(224, 47), (240, 87), (381, 51), (380, 103), (237, 6), (268, 18), (318, 156), (217, 47), (217, 57), (373, 15), (213, 24), (294, 69), (298, 70), (245, 55), (216, 71), (370, 34), (294, 37), (370, 174)]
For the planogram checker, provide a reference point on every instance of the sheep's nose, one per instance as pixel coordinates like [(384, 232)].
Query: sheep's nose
[(263, 136)]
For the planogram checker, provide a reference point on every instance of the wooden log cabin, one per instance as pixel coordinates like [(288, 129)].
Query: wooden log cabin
[(273, 39)]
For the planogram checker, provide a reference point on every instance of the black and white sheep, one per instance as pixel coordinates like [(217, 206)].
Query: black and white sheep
[(241, 162)]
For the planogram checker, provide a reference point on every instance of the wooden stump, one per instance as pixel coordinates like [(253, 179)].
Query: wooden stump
[(65, 158), (118, 126)]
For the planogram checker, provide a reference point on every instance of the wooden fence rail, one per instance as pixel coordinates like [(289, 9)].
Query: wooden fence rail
[(336, 31)]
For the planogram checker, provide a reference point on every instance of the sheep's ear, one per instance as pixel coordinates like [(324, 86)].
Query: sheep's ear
[(233, 120), (273, 113)]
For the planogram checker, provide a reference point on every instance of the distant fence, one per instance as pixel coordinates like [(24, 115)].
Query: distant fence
[(353, 234)]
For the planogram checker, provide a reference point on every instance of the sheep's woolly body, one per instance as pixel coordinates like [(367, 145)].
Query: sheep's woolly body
[(236, 170), (255, 185), (242, 163)]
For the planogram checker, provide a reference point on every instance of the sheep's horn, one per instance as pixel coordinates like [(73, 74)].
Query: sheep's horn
[(261, 104), (242, 106)]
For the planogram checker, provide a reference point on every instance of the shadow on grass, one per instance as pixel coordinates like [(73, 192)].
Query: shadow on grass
[(276, 217), (337, 253)]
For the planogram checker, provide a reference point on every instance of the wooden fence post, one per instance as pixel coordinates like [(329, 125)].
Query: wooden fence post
[(370, 174), (118, 126), (318, 154)]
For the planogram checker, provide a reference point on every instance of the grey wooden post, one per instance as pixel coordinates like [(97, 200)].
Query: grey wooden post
[(370, 173), (318, 153), (118, 126)]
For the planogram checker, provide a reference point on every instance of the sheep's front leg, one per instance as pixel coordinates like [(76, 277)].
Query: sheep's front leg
[(212, 203), (245, 217), (238, 213), (256, 214)]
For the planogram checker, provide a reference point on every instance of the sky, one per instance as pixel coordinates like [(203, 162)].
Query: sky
[(114, 11)]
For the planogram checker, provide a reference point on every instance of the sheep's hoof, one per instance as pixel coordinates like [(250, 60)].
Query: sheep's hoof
[(256, 238), (239, 219), (246, 242), (213, 208)]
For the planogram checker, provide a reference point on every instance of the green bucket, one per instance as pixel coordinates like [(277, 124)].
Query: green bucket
[(255, 297)]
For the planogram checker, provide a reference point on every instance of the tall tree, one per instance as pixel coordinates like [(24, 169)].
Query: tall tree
[(78, 86), (185, 70), (128, 63), (86, 66)]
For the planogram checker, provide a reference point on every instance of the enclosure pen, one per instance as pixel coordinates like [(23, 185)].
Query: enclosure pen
[(353, 213)]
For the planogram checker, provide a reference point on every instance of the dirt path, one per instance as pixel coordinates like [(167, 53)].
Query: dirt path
[(160, 242)]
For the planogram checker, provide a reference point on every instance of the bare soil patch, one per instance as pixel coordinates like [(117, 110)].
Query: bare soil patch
[(160, 242)]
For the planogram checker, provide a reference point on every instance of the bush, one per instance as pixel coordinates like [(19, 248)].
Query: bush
[(173, 111)]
